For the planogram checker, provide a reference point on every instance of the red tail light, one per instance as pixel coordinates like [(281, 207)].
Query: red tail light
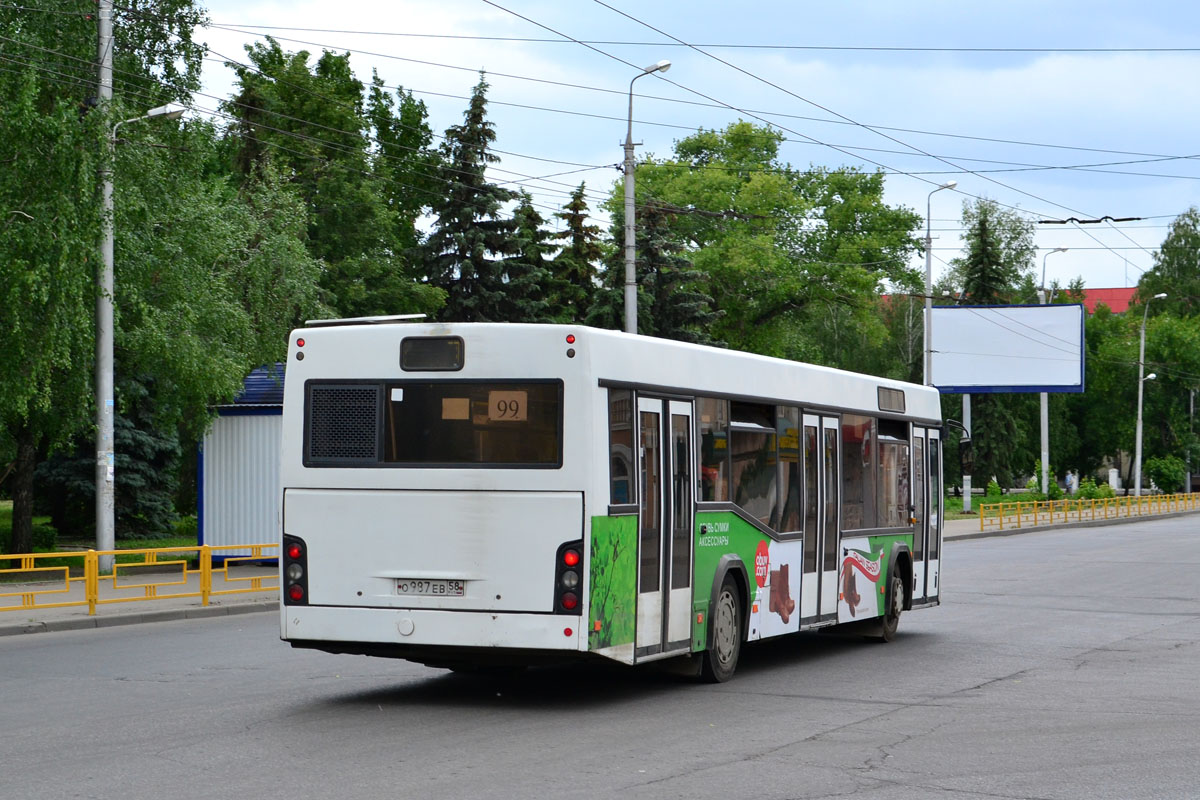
[(570, 601)]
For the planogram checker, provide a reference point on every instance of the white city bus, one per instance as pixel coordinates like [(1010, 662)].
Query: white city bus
[(467, 495)]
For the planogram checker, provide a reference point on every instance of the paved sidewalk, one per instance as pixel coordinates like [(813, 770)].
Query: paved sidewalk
[(38, 620), (969, 528)]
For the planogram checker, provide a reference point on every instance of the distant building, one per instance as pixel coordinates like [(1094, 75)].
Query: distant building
[(1119, 300), (239, 485)]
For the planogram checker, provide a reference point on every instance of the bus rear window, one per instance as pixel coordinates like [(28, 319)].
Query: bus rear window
[(451, 423)]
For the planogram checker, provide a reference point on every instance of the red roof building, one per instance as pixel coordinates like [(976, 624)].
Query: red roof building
[(1118, 300)]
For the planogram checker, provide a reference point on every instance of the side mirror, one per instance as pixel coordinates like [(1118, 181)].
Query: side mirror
[(966, 456), (966, 453)]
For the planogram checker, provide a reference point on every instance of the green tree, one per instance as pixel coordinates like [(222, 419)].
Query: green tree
[(573, 271), (351, 163), (672, 301), (856, 247), (1176, 269), (796, 259), (526, 271), (49, 236), (996, 269), (462, 254)]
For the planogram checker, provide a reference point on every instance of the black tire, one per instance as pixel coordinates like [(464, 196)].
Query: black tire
[(721, 658), (891, 616)]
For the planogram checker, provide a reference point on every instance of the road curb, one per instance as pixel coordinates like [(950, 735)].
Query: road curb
[(1099, 523), (258, 606), (135, 618)]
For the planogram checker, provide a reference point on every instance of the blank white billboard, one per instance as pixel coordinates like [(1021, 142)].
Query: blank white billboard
[(982, 349)]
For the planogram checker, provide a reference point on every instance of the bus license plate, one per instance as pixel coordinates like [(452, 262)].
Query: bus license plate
[(430, 588)]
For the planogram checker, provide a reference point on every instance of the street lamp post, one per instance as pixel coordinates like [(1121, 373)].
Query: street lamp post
[(1137, 456), (929, 280), (105, 454), (1043, 299), (630, 247)]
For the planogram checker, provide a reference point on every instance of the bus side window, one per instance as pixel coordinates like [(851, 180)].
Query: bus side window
[(812, 453), (787, 421), (712, 432), (620, 444)]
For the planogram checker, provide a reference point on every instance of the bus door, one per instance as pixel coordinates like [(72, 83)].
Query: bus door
[(933, 552), (818, 586), (665, 522), (920, 512), (831, 506)]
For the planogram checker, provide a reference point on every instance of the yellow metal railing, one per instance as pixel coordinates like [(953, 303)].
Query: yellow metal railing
[(1001, 516), (63, 579)]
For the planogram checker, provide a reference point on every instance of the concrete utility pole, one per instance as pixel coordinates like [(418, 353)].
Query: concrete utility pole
[(1044, 299), (105, 455), (630, 246), (105, 449), (1137, 458)]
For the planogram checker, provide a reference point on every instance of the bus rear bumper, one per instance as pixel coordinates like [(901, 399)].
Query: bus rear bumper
[(337, 629)]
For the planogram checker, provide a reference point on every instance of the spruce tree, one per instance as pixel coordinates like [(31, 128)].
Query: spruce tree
[(470, 235), (672, 303), (573, 270), (999, 256), (526, 272)]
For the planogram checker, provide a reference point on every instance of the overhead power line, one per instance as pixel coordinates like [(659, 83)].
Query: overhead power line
[(730, 45), (683, 101), (843, 116)]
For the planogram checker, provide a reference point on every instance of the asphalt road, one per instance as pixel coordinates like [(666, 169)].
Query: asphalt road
[(1064, 664)]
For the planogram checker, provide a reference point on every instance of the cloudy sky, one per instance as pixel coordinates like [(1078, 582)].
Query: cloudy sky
[(1062, 110)]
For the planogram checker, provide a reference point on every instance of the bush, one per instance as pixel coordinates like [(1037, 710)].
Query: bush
[(187, 528), (1090, 490), (1034, 486), (1168, 473), (45, 537), (993, 490)]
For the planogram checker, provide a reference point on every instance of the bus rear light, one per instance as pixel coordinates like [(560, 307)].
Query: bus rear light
[(299, 343), (570, 338), (568, 578), (568, 632), (295, 571)]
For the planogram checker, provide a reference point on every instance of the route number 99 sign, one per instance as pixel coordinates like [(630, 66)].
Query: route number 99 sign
[(508, 406)]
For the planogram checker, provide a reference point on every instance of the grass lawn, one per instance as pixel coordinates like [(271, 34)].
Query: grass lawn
[(183, 535)]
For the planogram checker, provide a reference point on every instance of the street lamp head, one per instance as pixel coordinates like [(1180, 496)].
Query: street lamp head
[(1160, 295), (1151, 376), (948, 185), (170, 111), (661, 66)]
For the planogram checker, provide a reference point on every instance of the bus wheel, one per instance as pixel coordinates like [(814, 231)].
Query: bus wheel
[(721, 659), (891, 617)]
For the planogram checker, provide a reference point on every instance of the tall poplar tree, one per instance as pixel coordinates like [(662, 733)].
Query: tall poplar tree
[(53, 140), (1176, 269), (359, 162)]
